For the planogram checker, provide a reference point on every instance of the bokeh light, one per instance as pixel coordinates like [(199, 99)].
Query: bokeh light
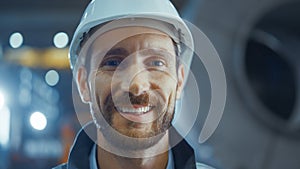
[(16, 40), (52, 77), (61, 40), (38, 121)]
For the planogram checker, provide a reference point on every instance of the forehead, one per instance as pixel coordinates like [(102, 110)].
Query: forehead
[(133, 38)]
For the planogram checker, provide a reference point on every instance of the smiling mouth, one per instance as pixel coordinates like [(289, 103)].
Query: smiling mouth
[(137, 113), (134, 109)]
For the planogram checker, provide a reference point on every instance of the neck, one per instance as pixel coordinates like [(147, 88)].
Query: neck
[(153, 157)]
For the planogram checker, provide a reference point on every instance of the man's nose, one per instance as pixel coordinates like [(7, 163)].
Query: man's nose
[(135, 80)]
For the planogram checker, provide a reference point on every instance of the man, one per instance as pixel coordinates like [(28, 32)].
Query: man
[(130, 60)]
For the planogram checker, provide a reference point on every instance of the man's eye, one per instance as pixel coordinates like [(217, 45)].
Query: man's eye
[(112, 63), (157, 63)]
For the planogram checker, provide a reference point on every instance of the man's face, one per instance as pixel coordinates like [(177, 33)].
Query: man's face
[(134, 82)]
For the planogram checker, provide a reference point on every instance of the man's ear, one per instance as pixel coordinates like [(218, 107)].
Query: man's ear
[(83, 85), (180, 81)]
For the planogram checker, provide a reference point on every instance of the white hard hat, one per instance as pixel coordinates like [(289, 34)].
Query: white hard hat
[(103, 11)]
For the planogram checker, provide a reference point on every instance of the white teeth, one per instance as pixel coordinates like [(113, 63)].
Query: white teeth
[(136, 111)]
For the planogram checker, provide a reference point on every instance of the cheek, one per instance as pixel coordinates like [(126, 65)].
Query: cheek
[(166, 82), (102, 86)]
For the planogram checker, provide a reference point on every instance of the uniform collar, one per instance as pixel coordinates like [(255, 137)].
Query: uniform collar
[(183, 154), (93, 159)]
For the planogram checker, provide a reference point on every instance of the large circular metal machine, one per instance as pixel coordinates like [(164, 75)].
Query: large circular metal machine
[(259, 44), (270, 69)]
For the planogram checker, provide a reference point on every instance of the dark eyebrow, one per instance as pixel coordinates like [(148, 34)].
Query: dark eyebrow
[(160, 52), (117, 51)]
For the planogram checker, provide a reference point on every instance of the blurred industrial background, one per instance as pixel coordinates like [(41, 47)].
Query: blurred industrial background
[(258, 42)]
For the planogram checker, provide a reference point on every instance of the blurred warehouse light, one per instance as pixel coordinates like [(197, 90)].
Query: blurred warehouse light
[(52, 77), (61, 40), (4, 126), (16, 40), (38, 121), (2, 101)]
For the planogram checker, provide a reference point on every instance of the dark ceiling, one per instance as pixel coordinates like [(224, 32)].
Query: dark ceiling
[(39, 20)]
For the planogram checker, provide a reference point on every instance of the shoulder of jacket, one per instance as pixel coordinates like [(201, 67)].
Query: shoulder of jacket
[(61, 166), (203, 166)]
